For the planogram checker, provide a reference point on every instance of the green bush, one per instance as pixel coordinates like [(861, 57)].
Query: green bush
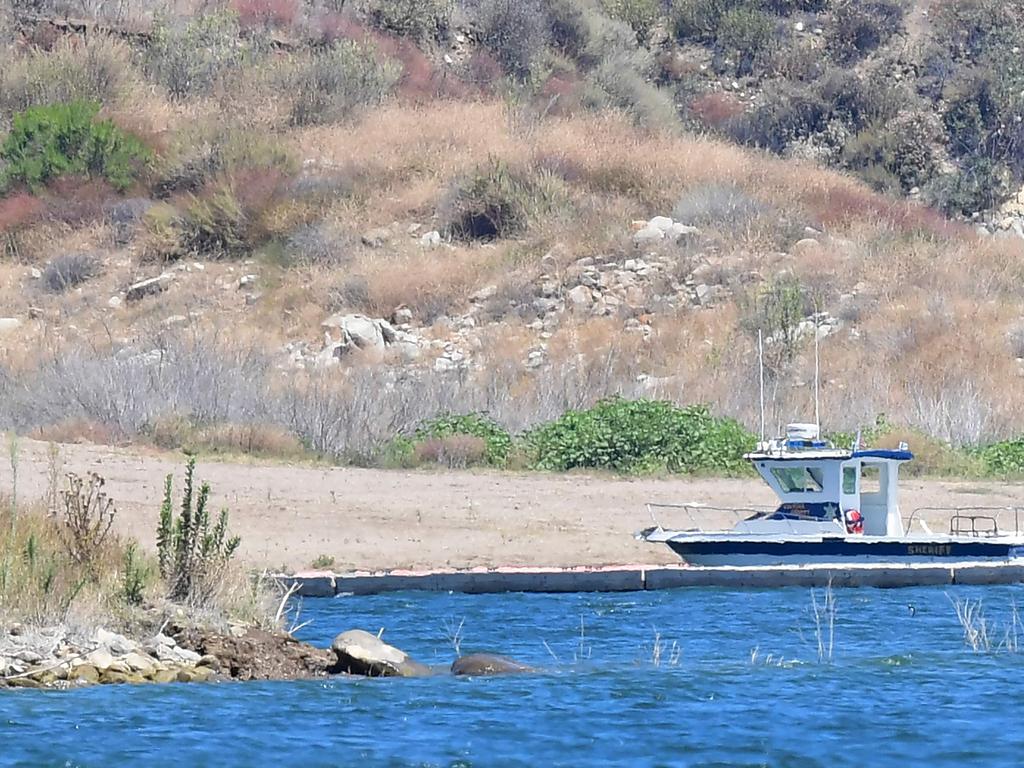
[(787, 112), (189, 59), (746, 33), (67, 139), (699, 19), (216, 224), (860, 26), (514, 31), (497, 440), (191, 550), (641, 436), (979, 186), (615, 83), (420, 20), (641, 15), (497, 201), (1005, 458), (892, 157), (331, 84)]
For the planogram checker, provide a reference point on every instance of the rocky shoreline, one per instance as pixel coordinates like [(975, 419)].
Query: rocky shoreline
[(52, 659)]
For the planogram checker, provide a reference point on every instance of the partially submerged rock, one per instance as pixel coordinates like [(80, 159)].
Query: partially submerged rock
[(483, 664), (362, 653)]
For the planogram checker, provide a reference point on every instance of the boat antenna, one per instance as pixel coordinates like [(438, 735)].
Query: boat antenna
[(817, 379), (760, 374)]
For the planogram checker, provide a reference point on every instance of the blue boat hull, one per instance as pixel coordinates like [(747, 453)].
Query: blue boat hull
[(770, 551)]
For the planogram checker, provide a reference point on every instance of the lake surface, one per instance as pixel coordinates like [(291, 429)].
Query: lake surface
[(697, 677)]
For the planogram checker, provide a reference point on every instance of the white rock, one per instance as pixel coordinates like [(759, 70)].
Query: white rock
[(8, 324), (580, 298), (115, 302), (150, 287), (484, 294), (117, 644), (662, 223), (678, 230), (431, 239), (806, 246), (246, 280), (648, 235), (36, 273)]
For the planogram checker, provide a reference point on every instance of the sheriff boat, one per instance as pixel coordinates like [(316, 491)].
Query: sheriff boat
[(836, 506)]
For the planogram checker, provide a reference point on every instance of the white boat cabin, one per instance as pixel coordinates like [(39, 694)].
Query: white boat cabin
[(823, 490)]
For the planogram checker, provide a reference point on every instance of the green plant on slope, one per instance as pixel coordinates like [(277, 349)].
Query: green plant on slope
[(134, 577), (190, 549), (67, 139), (1005, 458), (641, 436)]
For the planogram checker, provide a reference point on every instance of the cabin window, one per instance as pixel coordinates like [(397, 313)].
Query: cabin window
[(798, 479), (870, 479), (849, 480)]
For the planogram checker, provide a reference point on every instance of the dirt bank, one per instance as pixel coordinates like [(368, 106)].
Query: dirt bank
[(289, 515)]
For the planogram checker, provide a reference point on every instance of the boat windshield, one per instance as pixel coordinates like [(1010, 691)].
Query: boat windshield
[(799, 479)]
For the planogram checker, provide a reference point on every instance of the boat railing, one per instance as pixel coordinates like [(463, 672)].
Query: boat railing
[(697, 516), (977, 522)]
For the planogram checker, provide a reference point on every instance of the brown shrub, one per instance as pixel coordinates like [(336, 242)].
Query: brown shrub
[(453, 452), (77, 430), (716, 110), (265, 14), (19, 210)]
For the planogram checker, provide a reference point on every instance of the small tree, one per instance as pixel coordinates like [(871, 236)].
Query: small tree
[(66, 139), (190, 550)]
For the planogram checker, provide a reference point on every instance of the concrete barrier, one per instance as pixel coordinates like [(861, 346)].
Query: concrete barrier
[(988, 574), (635, 578)]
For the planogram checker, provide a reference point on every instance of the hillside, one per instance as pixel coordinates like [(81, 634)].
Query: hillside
[(281, 226)]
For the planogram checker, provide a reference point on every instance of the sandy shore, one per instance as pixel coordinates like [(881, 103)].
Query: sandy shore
[(289, 515)]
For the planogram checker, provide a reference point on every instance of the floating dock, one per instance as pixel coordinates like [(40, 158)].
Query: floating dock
[(638, 578)]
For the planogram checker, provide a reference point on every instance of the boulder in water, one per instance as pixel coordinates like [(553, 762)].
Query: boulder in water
[(479, 664), (362, 653)]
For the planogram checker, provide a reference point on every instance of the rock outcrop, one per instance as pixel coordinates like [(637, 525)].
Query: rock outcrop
[(485, 664), (362, 653)]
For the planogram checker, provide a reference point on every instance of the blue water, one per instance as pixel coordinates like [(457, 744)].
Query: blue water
[(745, 687)]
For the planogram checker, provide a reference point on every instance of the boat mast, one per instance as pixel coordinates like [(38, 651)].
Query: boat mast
[(817, 379), (760, 374)]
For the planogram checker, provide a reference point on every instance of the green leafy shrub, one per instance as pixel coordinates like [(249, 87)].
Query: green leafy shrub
[(616, 83), (641, 436), (979, 185), (191, 550), (331, 84), (1005, 458), (514, 31), (189, 59), (134, 576), (497, 201), (641, 15), (788, 112), (746, 33), (892, 157), (497, 442), (860, 26), (699, 19), (216, 225), (67, 139), (420, 20)]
